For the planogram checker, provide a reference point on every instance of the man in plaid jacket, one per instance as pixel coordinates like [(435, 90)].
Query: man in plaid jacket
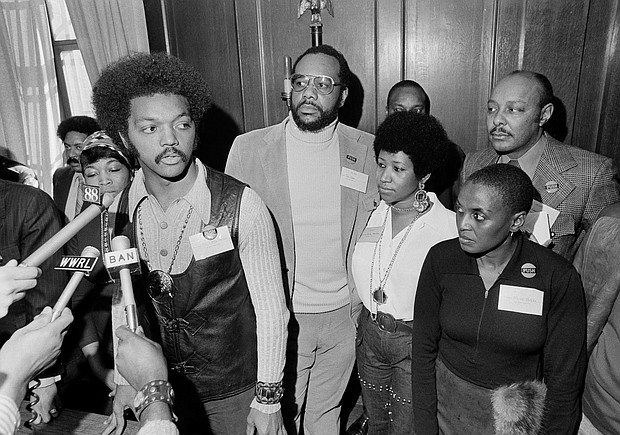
[(577, 183)]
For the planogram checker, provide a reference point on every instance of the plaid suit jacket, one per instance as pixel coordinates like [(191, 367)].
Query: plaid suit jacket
[(586, 183), (28, 218)]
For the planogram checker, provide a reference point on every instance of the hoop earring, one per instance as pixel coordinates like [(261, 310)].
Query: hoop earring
[(420, 200)]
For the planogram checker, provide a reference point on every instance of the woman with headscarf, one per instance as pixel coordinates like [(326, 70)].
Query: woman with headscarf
[(110, 168)]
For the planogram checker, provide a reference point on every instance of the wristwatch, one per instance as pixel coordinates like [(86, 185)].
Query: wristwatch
[(154, 391)]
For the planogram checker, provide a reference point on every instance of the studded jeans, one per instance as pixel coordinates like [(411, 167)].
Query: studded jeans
[(384, 367)]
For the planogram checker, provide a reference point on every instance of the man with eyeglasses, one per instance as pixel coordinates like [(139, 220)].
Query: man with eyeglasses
[(312, 172)]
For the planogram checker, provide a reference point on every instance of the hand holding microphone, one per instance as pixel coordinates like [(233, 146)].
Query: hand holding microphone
[(80, 265), (57, 241), (14, 281), (121, 258)]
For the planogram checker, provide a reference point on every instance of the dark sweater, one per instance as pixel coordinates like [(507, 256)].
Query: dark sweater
[(491, 347)]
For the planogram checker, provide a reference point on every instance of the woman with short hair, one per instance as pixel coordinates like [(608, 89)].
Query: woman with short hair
[(500, 321)]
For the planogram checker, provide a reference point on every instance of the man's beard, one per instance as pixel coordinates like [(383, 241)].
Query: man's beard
[(325, 118)]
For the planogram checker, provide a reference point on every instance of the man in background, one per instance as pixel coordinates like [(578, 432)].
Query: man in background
[(68, 180), (410, 96), (574, 182), (312, 172)]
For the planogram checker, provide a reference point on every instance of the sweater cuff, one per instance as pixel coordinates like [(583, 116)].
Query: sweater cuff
[(9, 415)]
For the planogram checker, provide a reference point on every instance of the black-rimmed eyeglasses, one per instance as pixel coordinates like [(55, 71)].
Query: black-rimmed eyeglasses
[(324, 85)]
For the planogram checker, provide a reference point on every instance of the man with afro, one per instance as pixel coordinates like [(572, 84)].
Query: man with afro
[(211, 281)]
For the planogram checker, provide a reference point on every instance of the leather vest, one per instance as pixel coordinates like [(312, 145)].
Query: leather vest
[(208, 329)]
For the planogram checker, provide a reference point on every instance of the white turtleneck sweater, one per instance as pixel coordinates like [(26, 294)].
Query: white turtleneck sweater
[(313, 160)]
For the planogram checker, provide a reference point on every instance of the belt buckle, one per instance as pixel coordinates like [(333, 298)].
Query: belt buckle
[(386, 322)]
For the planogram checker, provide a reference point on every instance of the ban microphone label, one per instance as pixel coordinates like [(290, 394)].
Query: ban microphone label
[(116, 260)]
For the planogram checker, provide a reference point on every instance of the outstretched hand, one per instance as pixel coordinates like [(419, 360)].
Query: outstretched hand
[(30, 350), (14, 281)]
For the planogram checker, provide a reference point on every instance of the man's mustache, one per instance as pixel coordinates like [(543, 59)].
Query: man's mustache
[(72, 160), (499, 130), (171, 152)]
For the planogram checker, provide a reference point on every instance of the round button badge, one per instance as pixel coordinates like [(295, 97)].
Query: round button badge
[(528, 270)]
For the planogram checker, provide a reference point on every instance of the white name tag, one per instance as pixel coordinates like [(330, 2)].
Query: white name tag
[(371, 235), (353, 180), (523, 300), (211, 242)]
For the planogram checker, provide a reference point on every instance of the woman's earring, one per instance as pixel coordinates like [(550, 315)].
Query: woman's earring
[(420, 200)]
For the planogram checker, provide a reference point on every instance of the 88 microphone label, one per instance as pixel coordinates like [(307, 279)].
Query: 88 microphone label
[(92, 194)]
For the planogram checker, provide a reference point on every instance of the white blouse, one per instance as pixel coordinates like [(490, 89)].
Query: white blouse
[(436, 225)]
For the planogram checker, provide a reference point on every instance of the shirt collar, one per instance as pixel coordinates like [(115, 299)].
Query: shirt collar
[(529, 161), (199, 196)]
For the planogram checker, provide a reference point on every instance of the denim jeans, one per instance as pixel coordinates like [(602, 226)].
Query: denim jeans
[(384, 367)]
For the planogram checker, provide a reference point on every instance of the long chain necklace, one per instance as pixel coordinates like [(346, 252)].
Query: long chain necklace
[(378, 294), (159, 282)]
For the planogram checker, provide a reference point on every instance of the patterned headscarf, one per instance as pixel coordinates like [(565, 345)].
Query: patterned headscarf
[(102, 140)]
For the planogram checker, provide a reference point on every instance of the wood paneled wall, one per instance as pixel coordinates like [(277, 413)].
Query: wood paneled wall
[(456, 49)]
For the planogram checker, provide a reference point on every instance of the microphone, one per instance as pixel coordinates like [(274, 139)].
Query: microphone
[(81, 265), (288, 70), (121, 257), (57, 241)]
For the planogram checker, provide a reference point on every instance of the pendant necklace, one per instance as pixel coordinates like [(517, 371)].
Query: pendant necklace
[(158, 282), (378, 294)]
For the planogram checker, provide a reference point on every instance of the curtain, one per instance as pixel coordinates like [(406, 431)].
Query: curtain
[(107, 30), (29, 106)]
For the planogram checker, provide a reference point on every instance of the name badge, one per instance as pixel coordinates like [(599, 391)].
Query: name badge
[(523, 300), (370, 235), (353, 179), (210, 242)]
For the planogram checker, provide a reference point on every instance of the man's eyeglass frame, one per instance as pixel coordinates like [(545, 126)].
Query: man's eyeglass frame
[(311, 79)]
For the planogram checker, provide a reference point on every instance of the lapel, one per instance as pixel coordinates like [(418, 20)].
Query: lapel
[(272, 155), (352, 156), (485, 157), (554, 160)]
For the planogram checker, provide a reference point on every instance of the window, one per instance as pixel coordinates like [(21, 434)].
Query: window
[(74, 87)]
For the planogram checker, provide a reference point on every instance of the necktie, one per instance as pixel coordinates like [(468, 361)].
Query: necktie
[(514, 162), (79, 199)]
